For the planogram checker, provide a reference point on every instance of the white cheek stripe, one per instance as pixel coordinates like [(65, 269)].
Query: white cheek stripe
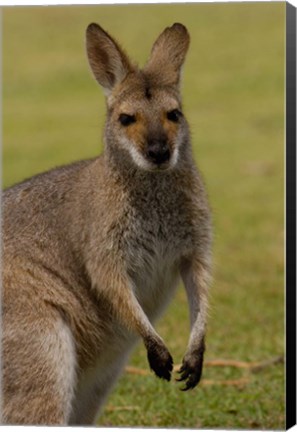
[(137, 157), (174, 157)]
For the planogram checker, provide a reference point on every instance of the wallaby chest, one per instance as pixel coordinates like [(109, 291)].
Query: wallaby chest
[(157, 233), (160, 219)]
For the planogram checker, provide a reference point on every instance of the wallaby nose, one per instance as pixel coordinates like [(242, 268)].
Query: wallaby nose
[(158, 152)]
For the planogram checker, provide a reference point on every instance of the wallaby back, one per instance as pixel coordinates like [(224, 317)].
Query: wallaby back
[(93, 251)]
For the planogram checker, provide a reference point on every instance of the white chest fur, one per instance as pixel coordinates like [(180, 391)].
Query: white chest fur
[(155, 278)]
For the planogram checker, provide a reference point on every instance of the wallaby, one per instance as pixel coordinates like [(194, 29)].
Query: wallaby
[(93, 251)]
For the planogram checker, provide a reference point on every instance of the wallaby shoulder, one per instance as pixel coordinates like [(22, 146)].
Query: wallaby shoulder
[(44, 185), (37, 243)]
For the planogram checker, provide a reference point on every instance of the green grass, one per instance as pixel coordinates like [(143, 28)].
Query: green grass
[(233, 86)]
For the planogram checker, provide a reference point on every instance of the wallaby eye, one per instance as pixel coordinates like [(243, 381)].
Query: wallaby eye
[(174, 115), (127, 119)]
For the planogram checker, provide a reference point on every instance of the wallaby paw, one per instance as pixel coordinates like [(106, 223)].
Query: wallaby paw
[(160, 361), (191, 369)]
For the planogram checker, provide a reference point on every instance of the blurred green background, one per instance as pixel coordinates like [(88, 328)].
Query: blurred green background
[(233, 87)]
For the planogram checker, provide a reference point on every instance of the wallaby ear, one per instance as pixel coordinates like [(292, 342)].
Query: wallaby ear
[(168, 54), (109, 63)]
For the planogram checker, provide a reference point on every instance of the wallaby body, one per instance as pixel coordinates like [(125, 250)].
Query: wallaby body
[(93, 251)]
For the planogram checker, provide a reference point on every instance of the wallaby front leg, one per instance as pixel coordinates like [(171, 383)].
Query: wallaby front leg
[(196, 278), (119, 293)]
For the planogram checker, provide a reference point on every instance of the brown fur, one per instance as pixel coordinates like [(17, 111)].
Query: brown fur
[(92, 251)]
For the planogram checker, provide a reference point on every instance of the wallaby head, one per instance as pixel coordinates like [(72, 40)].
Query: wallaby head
[(145, 125)]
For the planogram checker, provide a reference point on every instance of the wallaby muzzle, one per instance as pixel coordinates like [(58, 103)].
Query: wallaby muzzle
[(158, 152)]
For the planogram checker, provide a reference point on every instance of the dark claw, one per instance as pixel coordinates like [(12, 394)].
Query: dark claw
[(183, 376), (181, 369), (192, 381), (188, 387), (191, 369), (160, 361), (163, 371)]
